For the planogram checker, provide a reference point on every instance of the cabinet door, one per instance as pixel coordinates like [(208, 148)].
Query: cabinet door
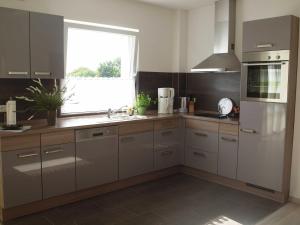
[(136, 154), (46, 45), (267, 34), (203, 140), (228, 151), (14, 43), (96, 162), (165, 158), (166, 138), (261, 144), (21, 177), (58, 169), (207, 161)]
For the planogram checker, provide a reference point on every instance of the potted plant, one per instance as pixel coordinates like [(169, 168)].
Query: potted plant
[(143, 101), (44, 100)]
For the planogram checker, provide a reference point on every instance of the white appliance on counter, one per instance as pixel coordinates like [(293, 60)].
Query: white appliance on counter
[(165, 100), (10, 109)]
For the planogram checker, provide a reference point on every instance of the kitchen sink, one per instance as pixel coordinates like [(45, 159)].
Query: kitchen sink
[(126, 117)]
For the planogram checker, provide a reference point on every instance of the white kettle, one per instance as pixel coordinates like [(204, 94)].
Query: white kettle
[(165, 100)]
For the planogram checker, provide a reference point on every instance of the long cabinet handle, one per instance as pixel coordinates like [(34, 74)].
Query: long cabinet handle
[(17, 73), (167, 153), (200, 134), (199, 154), (268, 45), (42, 73), (228, 139), (54, 151), (98, 134), (167, 133), (27, 155), (127, 139), (249, 131)]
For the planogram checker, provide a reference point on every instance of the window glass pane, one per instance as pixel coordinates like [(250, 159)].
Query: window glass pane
[(99, 68)]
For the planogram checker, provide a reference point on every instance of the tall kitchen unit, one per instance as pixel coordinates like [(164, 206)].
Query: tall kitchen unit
[(268, 92)]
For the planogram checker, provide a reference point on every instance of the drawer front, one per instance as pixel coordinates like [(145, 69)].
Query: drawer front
[(207, 161), (136, 128), (166, 124), (202, 140), (231, 129), (58, 167), (20, 142), (165, 158), (197, 124), (136, 154), (96, 162), (228, 153), (57, 138), (166, 138), (21, 177)]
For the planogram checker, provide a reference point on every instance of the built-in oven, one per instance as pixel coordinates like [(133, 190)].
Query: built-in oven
[(264, 76)]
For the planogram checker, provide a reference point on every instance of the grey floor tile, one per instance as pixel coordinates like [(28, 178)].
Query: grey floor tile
[(175, 200)]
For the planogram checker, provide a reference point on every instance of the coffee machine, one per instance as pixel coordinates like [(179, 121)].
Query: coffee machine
[(165, 100)]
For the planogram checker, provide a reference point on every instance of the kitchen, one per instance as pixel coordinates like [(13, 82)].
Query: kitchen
[(204, 169)]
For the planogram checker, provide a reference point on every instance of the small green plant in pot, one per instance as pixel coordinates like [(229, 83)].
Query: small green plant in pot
[(143, 101), (45, 100)]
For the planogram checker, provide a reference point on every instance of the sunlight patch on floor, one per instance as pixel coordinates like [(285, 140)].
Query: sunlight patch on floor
[(223, 220)]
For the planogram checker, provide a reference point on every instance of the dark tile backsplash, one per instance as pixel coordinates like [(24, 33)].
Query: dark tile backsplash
[(208, 89), (16, 87)]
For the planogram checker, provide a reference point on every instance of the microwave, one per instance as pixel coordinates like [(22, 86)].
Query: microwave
[(264, 76)]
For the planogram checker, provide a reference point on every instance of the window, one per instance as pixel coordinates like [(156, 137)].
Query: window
[(100, 68)]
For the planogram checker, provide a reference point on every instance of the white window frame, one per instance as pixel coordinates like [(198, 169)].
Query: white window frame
[(102, 28)]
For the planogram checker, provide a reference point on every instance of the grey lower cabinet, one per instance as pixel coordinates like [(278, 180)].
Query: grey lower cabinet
[(269, 34), (96, 156), (14, 43), (58, 169), (46, 45), (262, 144), (21, 177), (228, 153), (201, 151), (136, 154), (166, 148)]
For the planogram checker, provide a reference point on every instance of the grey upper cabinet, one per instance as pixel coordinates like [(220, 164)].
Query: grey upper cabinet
[(46, 45), (268, 34), (58, 169), (21, 177), (14, 43)]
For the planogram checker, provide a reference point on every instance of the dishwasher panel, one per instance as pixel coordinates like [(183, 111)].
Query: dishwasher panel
[(96, 156)]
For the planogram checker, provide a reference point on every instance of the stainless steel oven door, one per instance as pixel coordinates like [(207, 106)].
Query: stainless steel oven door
[(265, 81)]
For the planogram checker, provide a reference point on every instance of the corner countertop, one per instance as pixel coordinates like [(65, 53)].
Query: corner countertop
[(90, 121)]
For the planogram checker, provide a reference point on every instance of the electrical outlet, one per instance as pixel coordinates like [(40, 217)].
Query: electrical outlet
[(2, 108)]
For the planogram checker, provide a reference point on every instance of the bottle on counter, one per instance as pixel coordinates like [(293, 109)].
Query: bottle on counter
[(192, 105)]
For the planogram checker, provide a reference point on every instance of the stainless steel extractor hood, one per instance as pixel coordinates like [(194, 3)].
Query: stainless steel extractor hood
[(224, 58)]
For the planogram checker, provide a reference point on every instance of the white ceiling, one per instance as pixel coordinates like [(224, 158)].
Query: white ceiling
[(179, 4)]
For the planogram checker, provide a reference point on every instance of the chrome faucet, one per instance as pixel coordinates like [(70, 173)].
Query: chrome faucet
[(110, 111)]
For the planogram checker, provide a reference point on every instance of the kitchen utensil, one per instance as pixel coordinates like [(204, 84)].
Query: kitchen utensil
[(225, 106)]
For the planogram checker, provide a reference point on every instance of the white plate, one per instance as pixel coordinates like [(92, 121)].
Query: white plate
[(225, 106)]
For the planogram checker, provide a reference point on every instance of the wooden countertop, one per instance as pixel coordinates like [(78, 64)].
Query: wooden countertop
[(83, 122)]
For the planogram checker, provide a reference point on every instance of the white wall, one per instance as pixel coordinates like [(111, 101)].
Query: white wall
[(156, 24), (200, 46)]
